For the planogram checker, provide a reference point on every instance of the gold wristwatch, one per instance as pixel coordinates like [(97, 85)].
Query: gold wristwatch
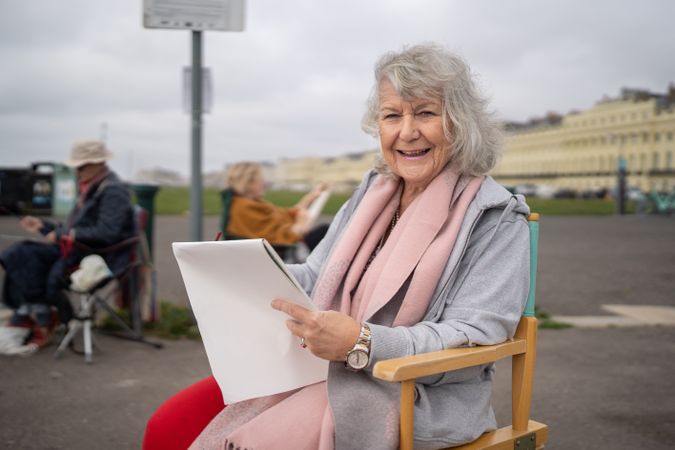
[(359, 355)]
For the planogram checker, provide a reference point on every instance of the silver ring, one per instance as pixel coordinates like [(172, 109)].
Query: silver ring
[(302, 343)]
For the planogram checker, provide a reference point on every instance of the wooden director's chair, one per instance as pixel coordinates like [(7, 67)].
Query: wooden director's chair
[(523, 433)]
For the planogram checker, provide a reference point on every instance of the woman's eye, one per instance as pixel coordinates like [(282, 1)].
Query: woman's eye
[(389, 116), (426, 113)]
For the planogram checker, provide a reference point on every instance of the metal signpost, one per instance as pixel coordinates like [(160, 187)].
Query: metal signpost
[(197, 16), (621, 186)]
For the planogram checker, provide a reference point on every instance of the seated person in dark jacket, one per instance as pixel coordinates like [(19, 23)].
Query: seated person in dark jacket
[(36, 272)]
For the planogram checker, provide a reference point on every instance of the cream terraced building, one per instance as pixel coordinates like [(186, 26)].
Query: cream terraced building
[(581, 150), (343, 173)]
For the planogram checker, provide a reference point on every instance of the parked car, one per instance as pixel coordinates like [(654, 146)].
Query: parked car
[(565, 193), (528, 190), (545, 191), (632, 193)]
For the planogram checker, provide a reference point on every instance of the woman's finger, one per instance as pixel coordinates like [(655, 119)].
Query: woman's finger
[(295, 328), (297, 312)]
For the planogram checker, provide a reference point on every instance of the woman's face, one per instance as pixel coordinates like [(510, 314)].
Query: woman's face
[(256, 187), (411, 136)]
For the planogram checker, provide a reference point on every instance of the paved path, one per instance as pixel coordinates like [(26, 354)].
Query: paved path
[(607, 388)]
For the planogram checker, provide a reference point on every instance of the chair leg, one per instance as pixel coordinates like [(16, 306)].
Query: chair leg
[(85, 321), (87, 342), (73, 327), (522, 375), (407, 426), (132, 334), (82, 321)]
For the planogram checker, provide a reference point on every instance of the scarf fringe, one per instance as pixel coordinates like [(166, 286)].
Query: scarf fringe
[(232, 446)]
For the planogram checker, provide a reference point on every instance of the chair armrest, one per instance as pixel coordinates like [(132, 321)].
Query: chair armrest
[(425, 364), (111, 248)]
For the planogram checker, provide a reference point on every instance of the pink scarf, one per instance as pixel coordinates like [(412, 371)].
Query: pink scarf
[(420, 244)]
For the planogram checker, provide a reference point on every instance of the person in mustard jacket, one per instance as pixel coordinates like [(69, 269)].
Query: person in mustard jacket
[(252, 217)]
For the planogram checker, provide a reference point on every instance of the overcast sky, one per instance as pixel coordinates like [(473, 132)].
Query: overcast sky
[(294, 83)]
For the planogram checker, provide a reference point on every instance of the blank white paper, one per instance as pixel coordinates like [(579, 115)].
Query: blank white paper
[(230, 285)]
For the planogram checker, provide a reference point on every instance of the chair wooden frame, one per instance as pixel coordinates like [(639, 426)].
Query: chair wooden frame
[(523, 433)]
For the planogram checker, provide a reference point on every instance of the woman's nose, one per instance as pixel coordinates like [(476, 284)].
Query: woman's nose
[(409, 131)]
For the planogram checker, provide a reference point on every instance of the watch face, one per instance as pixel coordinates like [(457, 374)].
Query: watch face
[(357, 359)]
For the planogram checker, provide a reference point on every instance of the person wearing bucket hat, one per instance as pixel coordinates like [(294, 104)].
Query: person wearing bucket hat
[(88, 152), (36, 271)]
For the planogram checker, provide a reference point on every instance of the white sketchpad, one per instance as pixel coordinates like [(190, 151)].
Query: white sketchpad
[(230, 285)]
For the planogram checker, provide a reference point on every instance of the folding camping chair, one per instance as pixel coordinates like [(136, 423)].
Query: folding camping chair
[(129, 282), (523, 434)]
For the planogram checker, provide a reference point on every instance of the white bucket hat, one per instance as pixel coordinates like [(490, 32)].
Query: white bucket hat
[(88, 152), (92, 270)]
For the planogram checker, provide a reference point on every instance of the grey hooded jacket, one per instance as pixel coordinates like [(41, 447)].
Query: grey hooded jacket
[(478, 301)]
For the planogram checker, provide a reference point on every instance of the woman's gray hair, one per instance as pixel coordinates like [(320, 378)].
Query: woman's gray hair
[(429, 71), (239, 176)]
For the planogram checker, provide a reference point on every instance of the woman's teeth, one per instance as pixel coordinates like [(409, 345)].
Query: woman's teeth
[(413, 153)]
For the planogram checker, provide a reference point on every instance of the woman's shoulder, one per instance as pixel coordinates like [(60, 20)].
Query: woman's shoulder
[(499, 207), (111, 187), (494, 196), (250, 205)]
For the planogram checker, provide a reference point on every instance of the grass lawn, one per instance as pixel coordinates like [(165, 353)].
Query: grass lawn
[(575, 207), (176, 200)]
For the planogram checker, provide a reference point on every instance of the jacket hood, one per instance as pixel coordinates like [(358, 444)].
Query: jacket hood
[(494, 195)]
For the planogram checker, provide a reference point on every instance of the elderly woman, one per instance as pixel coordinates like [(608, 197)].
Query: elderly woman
[(429, 254), (252, 217)]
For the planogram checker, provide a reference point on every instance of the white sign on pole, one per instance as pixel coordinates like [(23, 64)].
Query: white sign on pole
[(200, 15), (207, 90)]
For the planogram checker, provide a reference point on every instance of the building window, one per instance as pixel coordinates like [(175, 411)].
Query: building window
[(645, 137), (657, 137), (655, 161), (669, 160)]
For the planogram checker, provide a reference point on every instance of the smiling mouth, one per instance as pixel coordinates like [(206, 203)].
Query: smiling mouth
[(413, 153)]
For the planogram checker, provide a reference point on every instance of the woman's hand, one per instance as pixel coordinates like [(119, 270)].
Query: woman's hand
[(31, 224), (301, 224), (308, 198), (328, 334)]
